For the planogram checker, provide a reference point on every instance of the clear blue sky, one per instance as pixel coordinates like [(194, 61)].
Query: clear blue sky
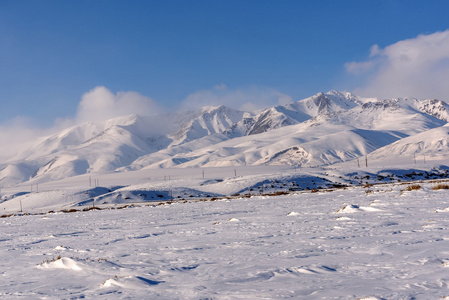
[(52, 52)]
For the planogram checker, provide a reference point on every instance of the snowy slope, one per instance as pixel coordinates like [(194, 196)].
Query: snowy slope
[(69, 137), (13, 173), (298, 145), (321, 103), (401, 115), (274, 118), (437, 108), (431, 145), (87, 148), (295, 113), (207, 121), (324, 129)]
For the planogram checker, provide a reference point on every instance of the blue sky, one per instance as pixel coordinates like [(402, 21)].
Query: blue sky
[(54, 54)]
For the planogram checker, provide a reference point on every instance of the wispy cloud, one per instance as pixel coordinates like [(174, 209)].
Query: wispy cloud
[(356, 67), (417, 67), (17, 134), (101, 104), (247, 99)]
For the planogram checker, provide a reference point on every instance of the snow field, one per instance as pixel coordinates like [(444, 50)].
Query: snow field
[(346, 244)]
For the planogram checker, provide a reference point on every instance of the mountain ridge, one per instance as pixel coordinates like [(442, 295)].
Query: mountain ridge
[(323, 129)]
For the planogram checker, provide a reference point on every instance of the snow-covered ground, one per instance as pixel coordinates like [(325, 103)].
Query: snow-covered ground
[(377, 242)]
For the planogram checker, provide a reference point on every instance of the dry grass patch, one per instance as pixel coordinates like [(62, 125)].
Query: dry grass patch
[(413, 187), (441, 186), (91, 208), (72, 210), (53, 259), (6, 216)]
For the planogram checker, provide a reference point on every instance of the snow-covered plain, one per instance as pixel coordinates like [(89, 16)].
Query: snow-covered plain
[(373, 242)]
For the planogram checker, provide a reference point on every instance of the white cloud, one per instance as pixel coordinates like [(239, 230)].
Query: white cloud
[(17, 134), (417, 67), (101, 104), (248, 99), (358, 67)]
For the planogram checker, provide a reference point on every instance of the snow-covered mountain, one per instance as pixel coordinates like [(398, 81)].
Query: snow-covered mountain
[(430, 144), (297, 112), (209, 120), (324, 129)]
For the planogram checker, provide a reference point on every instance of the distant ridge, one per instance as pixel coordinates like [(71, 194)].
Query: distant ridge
[(323, 129)]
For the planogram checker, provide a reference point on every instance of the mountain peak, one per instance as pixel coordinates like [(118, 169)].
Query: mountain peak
[(324, 128), (207, 121), (211, 109)]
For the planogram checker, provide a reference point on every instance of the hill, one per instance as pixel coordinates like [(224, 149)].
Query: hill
[(324, 129)]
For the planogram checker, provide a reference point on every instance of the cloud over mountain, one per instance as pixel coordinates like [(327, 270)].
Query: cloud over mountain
[(417, 67), (101, 104), (17, 134)]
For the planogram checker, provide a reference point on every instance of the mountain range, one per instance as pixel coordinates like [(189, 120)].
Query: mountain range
[(322, 130)]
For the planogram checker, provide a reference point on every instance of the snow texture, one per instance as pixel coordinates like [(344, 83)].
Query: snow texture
[(341, 244)]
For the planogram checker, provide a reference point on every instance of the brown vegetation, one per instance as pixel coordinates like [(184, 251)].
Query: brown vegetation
[(441, 186), (413, 187)]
